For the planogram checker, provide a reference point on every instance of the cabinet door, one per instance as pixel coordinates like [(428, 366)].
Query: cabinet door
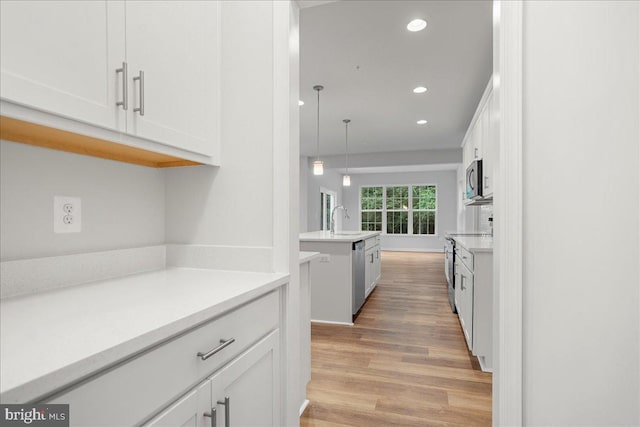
[(61, 57), (369, 273), (377, 265), (188, 410), (176, 45), (251, 385), (465, 308), (491, 146)]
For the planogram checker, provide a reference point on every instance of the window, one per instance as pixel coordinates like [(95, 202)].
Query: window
[(399, 210), (423, 206), (371, 202)]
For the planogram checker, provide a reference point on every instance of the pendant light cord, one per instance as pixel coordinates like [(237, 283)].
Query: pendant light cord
[(346, 143), (318, 127)]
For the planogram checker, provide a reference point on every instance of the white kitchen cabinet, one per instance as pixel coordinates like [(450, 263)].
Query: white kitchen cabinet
[(189, 410), (61, 57), (474, 301), (464, 299), (176, 45), (148, 71), (377, 265), (158, 376), (369, 270), (245, 393), (491, 143), (482, 138), (372, 264), (247, 390)]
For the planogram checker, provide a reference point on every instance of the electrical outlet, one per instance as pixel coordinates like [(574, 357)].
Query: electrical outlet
[(67, 214)]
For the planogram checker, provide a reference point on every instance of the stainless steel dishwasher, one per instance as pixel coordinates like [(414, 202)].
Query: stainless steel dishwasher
[(357, 279)]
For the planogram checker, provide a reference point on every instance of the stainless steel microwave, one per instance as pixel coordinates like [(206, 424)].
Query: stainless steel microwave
[(474, 180)]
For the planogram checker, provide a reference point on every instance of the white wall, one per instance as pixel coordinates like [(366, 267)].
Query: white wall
[(304, 193), (331, 180), (581, 232), (447, 206), (122, 204), (232, 205)]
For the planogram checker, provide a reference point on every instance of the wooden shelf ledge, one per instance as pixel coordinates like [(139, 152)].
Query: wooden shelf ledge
[(43, 136)]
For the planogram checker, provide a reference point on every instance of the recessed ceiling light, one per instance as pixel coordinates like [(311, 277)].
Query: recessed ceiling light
[(420, 89), (421, 122), (300, 103), (417, 25)]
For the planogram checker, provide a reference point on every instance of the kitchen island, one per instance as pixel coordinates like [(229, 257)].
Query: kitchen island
[(337, 291)]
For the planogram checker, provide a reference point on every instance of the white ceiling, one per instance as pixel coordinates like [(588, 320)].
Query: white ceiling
[(368, 62)]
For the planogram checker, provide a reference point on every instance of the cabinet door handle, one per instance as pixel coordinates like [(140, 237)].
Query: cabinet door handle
[(212, 415), (125, 79), (140, 77), (475, 153), (486, 180), (225, 403), (462, 288), (223, 344)]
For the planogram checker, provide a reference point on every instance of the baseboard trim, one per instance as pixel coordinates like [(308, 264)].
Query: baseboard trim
[(329, 322), (304, 406), (412, 250)]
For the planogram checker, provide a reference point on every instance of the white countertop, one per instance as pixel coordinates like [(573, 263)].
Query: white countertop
[(306, 256), (326, 236), (475, 243), (50, 339)]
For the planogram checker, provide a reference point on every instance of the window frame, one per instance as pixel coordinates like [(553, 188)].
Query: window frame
[(382, 210), (409, 211)]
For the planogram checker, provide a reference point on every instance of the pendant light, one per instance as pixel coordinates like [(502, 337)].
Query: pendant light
[(318, 166), (346, 179)]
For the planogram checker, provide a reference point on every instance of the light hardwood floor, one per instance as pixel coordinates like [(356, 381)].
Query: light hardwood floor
[(404, 362)]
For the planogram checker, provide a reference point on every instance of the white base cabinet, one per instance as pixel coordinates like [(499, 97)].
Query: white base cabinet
[(474, 301), (243, 393), (372, 261), (179, 380)]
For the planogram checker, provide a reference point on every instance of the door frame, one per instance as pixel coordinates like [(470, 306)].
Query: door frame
[(508, 211), (334, 196)]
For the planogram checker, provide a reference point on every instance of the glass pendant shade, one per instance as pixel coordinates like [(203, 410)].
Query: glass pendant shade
[(346, 181), (318, 167)]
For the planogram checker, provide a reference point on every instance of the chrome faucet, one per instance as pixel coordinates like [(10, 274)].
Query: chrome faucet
[(333, 219)]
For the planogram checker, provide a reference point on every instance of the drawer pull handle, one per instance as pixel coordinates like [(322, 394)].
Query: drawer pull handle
[(223, 345), (227, 409), (212, 415)]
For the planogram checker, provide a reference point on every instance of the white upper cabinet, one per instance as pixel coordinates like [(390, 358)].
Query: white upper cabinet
[(481, 140), (490, 145), (147, 71), (175, 44), (61, 57)]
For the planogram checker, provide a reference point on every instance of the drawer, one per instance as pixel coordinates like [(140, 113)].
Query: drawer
[(371, 242), (137, 389), (465, 256)]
